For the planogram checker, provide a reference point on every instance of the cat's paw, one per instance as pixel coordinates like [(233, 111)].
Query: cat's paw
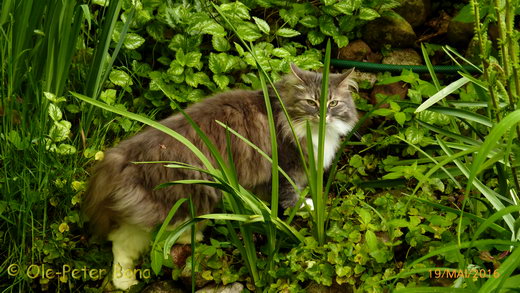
[(308, 202), (124, 283)]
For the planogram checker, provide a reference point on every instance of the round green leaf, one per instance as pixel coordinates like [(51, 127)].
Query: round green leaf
[(120, 78)]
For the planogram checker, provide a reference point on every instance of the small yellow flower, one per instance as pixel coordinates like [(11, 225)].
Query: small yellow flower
[(99, 156), (63, 227)]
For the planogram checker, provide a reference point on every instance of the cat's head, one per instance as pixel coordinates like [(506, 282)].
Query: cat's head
[(301, 91)]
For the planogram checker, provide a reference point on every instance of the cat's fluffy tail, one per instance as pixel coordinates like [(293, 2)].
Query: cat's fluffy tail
[(99, 197)]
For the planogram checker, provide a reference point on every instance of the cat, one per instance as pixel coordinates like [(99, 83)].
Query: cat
[(122, 204)]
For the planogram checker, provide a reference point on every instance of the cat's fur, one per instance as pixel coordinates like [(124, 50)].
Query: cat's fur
[(121, 201)]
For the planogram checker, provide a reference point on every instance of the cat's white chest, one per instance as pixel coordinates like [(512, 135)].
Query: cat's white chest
[(333, 132)]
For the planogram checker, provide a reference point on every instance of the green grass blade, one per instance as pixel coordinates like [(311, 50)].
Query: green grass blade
[(156, 260), (442, 94), (448, 133), (98, 67), (205, 161), (261, 152), (430, 67), (492, 139), (490, 194), (463, 114)]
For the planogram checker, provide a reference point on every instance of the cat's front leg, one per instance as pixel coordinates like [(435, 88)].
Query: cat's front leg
[(128, 242), (289, 196)]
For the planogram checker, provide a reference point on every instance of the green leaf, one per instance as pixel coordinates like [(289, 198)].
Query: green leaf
[(327, 26), (281, 53), (287, 33), (366, 13), (193, 59), (400, 118), (133, 41), (220, 44), (120, 78), (60, 131), (52, 97), (175, 68), (108, 96), (371, 239), (414, 135), (221, 80), (341, 40), (315, 37), (289, 16), (209, 27), (465, 15), (65, 149), (236, 10), (194, 79), (309, 21), (262, 25), (55, 112), (248, 32), (221, 63)]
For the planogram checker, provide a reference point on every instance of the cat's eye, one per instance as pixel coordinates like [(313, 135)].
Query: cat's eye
[(311, 102), (333, 103)]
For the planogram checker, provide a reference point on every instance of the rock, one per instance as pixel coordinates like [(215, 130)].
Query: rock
[(186, 278), (403, 57), (231, 288), (163, 287), (368, 78), (389, 29), (459, 33), (397, 88), (355, 51), (179, 254), (414, 11)]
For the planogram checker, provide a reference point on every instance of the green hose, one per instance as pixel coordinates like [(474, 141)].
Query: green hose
[(366, 66)]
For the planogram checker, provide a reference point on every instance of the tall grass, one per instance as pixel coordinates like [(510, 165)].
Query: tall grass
[(38, 40), (488, 153)]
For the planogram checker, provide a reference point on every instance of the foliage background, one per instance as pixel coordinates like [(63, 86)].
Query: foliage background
[(143, 55)]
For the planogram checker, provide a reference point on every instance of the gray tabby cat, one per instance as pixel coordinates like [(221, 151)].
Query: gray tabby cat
[(121, 202)]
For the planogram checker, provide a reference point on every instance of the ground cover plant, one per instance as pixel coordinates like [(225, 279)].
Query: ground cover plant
[(426, 197)]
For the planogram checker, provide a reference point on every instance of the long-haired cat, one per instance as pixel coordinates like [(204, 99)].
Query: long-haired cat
[(121, 202)]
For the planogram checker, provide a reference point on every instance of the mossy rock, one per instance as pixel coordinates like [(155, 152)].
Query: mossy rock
[(390, 29)]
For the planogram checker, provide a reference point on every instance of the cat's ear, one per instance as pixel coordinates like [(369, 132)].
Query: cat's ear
[(297, 71), (346, 80)]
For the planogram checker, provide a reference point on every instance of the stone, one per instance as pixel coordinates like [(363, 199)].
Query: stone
[(390, 29), (179, 254), (414, 11), (403, 57), (163, 287), (186, 278), (397, 88), (230, 288), (459, 33), (355, 51), (367, 78)]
